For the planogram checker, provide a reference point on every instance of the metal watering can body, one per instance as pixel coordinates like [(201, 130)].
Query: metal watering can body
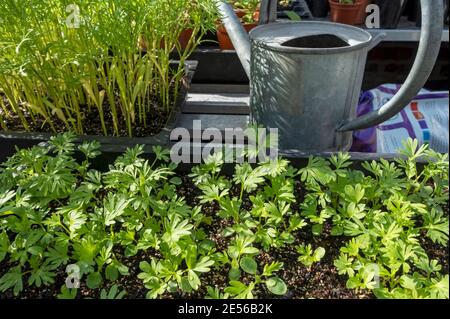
[(306, 77)]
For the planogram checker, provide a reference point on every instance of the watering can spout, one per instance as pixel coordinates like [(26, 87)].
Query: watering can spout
[(238, 35)]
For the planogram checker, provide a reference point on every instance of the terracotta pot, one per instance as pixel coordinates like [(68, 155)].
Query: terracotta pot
[(184, 38), (240, 12), (256, 16), (362, 11), (225, 41), (345, 13)]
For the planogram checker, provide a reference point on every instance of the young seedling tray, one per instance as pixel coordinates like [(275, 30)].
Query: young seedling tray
[(10, 140)]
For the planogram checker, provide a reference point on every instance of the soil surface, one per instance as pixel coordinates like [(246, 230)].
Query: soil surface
[(320, 282), (155, 120)]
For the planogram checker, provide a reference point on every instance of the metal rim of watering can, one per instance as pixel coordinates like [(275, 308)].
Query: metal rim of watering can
[(333, 50)]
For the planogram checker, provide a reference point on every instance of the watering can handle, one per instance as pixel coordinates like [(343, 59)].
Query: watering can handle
[(268, 11), (238, 35), (430, 43)]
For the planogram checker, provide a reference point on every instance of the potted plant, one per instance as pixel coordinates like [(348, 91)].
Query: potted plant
[(248, 12), (361, 19), (285, 5), (347, 11)]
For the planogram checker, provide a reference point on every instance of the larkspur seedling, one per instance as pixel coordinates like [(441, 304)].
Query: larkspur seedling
[(96, 221)]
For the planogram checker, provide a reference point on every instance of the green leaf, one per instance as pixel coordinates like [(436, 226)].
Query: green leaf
[(12, 279), (319, 253), (230, 208), (67, 293), (317, 229), (176, 229), (249, 265), (185, 285), (353, 282), (86, 250), (354, 194), (161, 154), (193, 279), (94, 280), (234, 274), (5, 197), (90, 149), (240, 290), (344, 265), (114, 207), (250, 250), (437, 227), (317, 171), (408, 282), (176, 181), (4, 245), (269, 269), (74, 220), (191, 256), (292, 15), (131, 250), (276, 286), (214, 293), (440, 288), (111, 272), (113, 293), (58, 255), (248, 177), (42, 275), (204, 264)]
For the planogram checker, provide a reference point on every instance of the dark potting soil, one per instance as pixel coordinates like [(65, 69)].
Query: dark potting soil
[(321, 281), (156, 119), (321, 41)]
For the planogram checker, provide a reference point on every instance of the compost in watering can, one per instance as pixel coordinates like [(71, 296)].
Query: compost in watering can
[(306, 77), (321, 41)]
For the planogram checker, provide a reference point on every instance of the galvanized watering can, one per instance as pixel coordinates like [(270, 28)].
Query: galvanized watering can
[(306, 77)]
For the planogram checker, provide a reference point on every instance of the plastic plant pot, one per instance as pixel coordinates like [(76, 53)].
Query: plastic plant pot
[(446, 15), (319, 8), (346, 13), (391, 12)]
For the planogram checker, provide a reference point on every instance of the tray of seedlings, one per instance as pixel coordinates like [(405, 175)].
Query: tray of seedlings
[(145, 228)]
